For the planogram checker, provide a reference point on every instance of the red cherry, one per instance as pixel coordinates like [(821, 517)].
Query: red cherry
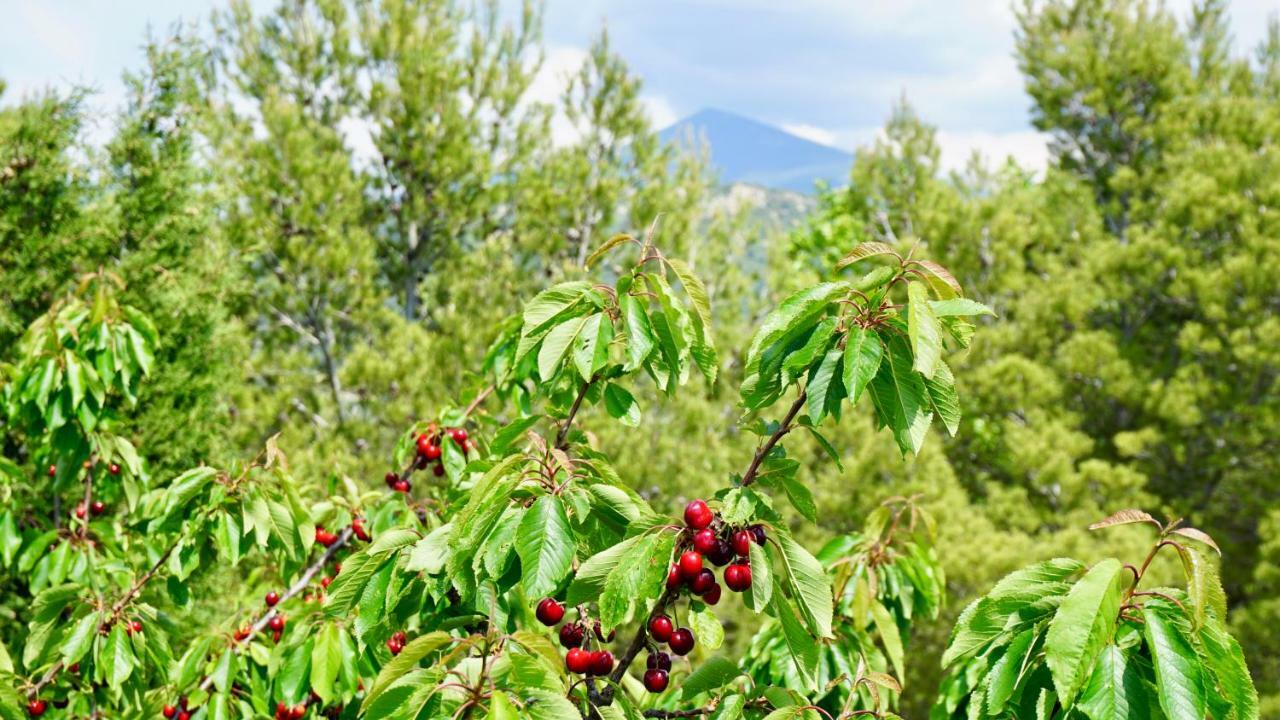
[(357, 527), (697, 515), (712, 596), (738, 577), (424, 444), (660, 628), (169, 711), (400, 637), (600, 633), (438, 470), (704, 541), (97, 507), (184, 715), (722, 554), (401, 486), (550, 612), (682, 641), (578, 660), (757, 532), (390, 479), (37, 707), (658, 661), (459, 435), (325, 581), (673, 578), (702, 582), (80, 511), (572, 635), (53, 470), (275, 636), (241, 634), (114, 469), (431, 452), (742, 543), (690, 564), (394, 646), (276, 623), (298, 711), (324, 537), (135, 626), (74, 669), (601, 663), (655, 681), (272, 598)]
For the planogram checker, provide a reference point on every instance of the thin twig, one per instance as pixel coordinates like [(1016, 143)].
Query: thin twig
[(573, 410), (750, 476)]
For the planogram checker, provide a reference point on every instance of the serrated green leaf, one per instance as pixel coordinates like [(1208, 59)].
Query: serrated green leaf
[(825, 389), (556, 344), (1083, 626), (943, 398), (959, 307), (117, 657), (640, 340), (1179, 674), (711, 674), (810, 586), (590, 579), (409, 657), (923, 329), (757, 596), (1114, 690), (792, 317), (862, 355), (900, 397), (545, 544), (621, 405), (890, 638)]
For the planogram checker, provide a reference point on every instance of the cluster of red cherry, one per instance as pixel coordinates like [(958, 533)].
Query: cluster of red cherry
[(430, 452), (595, 663), (396, 642), (177, 712)]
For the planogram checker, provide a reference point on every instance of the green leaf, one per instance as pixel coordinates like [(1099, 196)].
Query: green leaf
[(901, 398), (889, 637), (804, 647), (640, 340), (810, 586), (1230, 675), (80, 639), (712, 674), (1006, 671), (792, 317), (757, 596), (545, 705), (545, 544), (866, 250), (824, 390), (1179, 674), (413, 652), (923, 329), (638, 579), (501, 707), (1204, 587), (556, 344), (511, 433), (606, 246), (1083, 626), (1114, 690), (706, 628), (591, 350), (590, 579), (117, 657), (694, 288), (621, 405), (959, 307), (326, 661), (862, 354), (943, 398), (224, 671), (797, 363)]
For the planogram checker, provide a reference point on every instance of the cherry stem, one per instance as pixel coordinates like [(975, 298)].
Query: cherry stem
[(764, 450)]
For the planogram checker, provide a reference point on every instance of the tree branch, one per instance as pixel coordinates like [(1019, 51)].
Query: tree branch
[(750, 475), (573, 410)]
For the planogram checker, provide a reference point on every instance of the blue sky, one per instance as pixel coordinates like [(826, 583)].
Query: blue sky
[(826, 69)]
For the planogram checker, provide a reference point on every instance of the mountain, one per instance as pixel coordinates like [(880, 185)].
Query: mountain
[(749, 151)]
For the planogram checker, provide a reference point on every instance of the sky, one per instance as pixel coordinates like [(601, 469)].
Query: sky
[(828, 70)]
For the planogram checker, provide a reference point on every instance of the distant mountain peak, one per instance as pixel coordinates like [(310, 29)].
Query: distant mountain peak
[(750, 151)]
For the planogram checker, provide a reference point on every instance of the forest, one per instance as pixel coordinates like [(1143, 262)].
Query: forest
[(330, 293)]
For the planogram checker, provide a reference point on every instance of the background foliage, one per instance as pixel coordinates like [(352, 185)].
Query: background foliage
[(334, 285)]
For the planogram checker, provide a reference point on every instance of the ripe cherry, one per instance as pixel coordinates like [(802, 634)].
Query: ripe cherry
[(704, 541), (298, 712), (53, 470), (276, 623), (184, 715), (438, 470), (169, 711), (135, 626), (674, 578), (578, 661), (742, 543), (572, 635), (275, 636), (394, 645), (722, 554), (80, 511), (400, 637), (660, 628), (114, 469), (655, 681), (459, 435), (97, 507), (550, 612), (658, 661), (697, 515), (431, 453), (324, 537), (357, 527), (601, 663), (36, 707), (424, 443), (401, 486), (682, 641), (391, 479), (690, 564), (712, 596), (326, 581), (702, 582), (757, 532), (738, 577), (241, 634), (272, 598)]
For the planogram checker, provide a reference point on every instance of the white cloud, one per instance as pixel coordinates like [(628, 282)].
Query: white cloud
[(1028, 148), (822, 136), (660, 111)]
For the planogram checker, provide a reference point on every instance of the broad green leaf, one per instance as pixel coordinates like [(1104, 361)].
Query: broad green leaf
[(711, 674), (1006, 671), (803, 646), (326, 661), (429, 553), (1204, 587), (1179, 673), (862, 354), (591, 350), (825, 389), (621, 405), (793, 316), (1114, 690), (117, 657), (923, 329), (890, 638), (757, 596), (556, 344), (545, 544), (501, 707), (696, 291), (810, 586), (224, 671), (511, 433), (901, 398), (639, 578), (640, 340), (797, 363), (590, 579), (865, 250), (1083, 626), (706, 628), (413, 652), (80, 639), (943, 398), (543, 705), (959, 307), (1230, 675)]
